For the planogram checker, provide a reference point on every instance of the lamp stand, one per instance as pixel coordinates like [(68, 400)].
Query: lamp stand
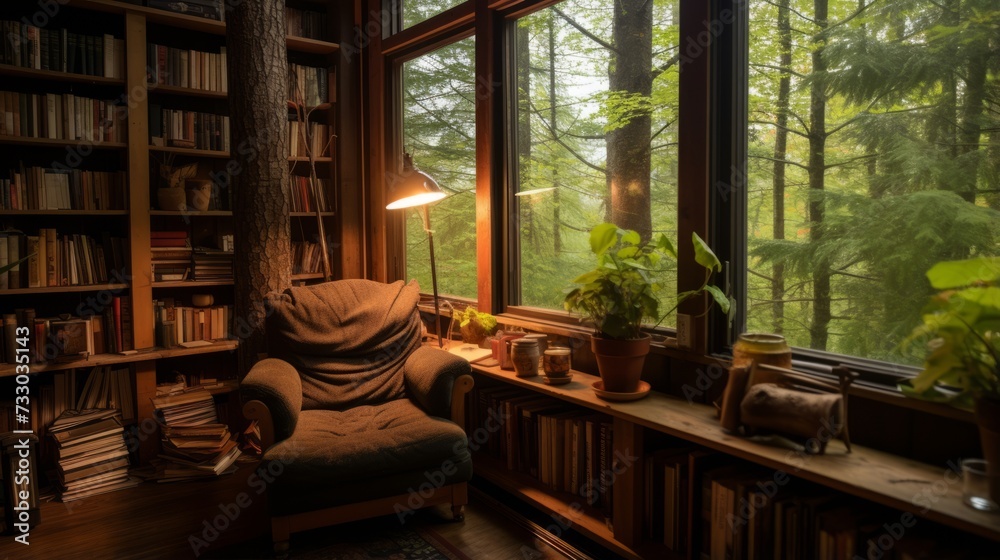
[(434, 278)]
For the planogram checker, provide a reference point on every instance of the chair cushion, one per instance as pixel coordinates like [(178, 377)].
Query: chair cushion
[(337, 448), (348, 339)]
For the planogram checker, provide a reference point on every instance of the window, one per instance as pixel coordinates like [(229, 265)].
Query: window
[(439, 128), (416, 11), (871, 129), (596, 141)]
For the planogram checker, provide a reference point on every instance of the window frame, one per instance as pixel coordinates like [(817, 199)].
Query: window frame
[(712, 166)]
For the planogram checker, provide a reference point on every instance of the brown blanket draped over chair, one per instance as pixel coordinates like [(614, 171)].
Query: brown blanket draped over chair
[(357, 413)]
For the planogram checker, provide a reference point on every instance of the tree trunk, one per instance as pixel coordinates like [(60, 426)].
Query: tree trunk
[(780, 152), (819, 329), (255, 40), (970, 131), (629, 145)]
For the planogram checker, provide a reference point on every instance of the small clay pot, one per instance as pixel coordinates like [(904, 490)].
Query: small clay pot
[(171, 199)]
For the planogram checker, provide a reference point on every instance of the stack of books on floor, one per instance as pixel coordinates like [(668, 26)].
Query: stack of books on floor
[(91, 454), (195, 444), (171, 255), (212, 264)]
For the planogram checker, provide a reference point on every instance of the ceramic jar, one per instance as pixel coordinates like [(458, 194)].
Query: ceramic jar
[(524, 355)]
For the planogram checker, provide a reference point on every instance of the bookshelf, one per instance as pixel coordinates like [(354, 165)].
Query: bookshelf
[(136, 157), (867, 474)]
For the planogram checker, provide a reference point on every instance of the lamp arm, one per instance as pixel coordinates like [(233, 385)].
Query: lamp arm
[(434, 278)]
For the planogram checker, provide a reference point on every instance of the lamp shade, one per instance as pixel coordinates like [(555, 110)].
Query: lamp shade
[(413, 188)]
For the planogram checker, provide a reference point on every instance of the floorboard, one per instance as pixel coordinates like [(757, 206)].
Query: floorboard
[(165, 521)]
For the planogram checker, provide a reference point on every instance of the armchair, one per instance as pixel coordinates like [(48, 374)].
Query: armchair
[(357, 419)]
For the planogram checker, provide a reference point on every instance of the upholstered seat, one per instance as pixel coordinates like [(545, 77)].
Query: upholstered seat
[(355, 415)]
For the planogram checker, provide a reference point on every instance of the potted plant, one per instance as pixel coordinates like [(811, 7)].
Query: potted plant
[(620, 294), (961, 327), (476, 326)]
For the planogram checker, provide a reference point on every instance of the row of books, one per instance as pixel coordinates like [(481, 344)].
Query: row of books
[(308, 84), (302, 199), (189, 129), (176, 324), (61, 50), (316, 138), (92, 456), (187, 68), (61, 117), (305, 23), (39, 188), (53, 338), (195, 443), (60, 260), (210, 9), (211, 264), (306, 257), (566, 448), (108, 387)]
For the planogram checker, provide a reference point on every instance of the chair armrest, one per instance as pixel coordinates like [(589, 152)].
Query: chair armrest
[(272, 395), (438, 381)]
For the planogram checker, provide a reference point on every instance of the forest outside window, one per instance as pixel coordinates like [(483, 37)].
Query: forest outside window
[(416, 11), (874, 152), (596, 135), (439, 131)]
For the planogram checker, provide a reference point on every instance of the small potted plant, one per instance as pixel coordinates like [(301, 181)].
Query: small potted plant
[(961, 328), (620, 294), (476, 327)]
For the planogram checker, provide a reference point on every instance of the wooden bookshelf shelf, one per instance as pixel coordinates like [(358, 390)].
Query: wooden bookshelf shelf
[(308, 276), (303, 159), (584, 519), (309, 214), (215, 213), (190, 152), (97, 360), (313, 46), (83, 213), (186, 92), (869, 474), (64, 289), (58, 143), (10, 71), (192, 283)]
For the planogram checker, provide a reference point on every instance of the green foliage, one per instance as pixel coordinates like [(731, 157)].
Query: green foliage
[(620, 293), (485, 321), (961, 329)]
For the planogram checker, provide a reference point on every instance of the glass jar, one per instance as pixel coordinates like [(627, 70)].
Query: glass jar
[(524, 354), (762, 348)]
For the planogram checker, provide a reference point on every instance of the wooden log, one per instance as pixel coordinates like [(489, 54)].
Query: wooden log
[(816, 417)]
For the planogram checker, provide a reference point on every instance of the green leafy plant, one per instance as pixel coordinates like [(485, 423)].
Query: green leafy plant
[(476, 326), (961, 329), (620, 294)]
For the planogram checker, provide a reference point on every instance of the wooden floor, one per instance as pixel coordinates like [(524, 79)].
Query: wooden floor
[(164, 521)]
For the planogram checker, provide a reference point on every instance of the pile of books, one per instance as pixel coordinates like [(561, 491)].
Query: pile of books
[(307, 84), (305, 23), (195, 444), (68, 337), (109, 388), (210, 9), (306, 257), (61, 50), (60, 260), (171, 255), (91, 454), (186, 68), (39, 188), (302, 199), (61, 117), (315, 140), (212, 264)]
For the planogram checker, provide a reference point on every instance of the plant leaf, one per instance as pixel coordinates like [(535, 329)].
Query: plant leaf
[(720, 298), (664, 244), (704, 255), (955, 274), (631, 237), (603, 237)]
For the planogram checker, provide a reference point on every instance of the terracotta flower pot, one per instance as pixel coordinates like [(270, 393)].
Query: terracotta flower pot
[(988, 417), (171, 199), (620, 362)]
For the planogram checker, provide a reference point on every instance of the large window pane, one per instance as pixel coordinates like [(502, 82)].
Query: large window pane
[(596, 135), (416, 11), (439, 127), (874, 153)]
